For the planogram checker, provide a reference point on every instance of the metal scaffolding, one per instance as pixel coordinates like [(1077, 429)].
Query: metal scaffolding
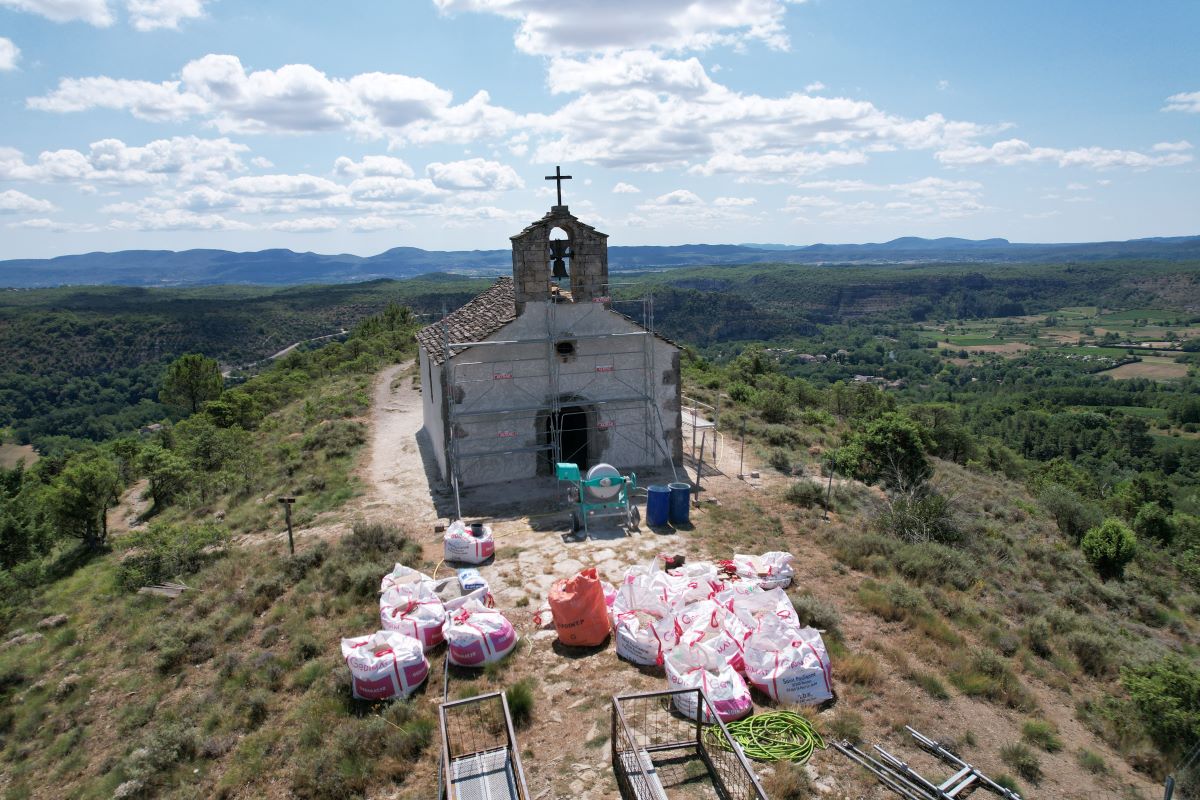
[(540, 381)]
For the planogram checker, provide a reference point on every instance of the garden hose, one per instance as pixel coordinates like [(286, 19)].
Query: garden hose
[(772, 736)]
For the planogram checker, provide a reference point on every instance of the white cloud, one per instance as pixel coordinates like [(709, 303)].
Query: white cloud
[(95, 12), (307, 225), (262, 163), (625, 188), (296, 98), (1173, 147), (1017, 151), (188, 159), (289, 186), (179, 220), (635, 68), (9, 54), (815, 86), (53, 226), (474, 174), (735, 202), (14, 202), (373, 165), (679, 197), (943, 85), (390, 189), (374, 222), (919, 200), (149, 15), (1184, 101), (575, 25)]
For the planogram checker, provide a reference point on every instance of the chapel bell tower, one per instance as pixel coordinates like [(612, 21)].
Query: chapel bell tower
[(559, 258)]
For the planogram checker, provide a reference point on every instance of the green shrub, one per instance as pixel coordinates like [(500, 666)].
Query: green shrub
[(1073, 515), (816, 613), (164, 551), (924, 516), (932, 562), (336, 438), (1043, 734), (1037, 638), (846, 725), (1109, 547), (1166, 694), (788, 781), (1092, 651), (982, 673), (774, 407), (1153, 523), (1023, 760), (855, 550), (520, 702), (780, 460), (1092, 762), (805, 494)]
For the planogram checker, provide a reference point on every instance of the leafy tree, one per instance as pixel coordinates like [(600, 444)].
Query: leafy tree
[(82, 494), (191, 381), (1152, 522), (1109, 547), (1073, 515), (167, 472), (891, 450)]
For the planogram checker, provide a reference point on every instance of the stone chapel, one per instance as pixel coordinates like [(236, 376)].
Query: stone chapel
[(547, 367)]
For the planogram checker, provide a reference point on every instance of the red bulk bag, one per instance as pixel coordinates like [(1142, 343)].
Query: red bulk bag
[(580, 613)]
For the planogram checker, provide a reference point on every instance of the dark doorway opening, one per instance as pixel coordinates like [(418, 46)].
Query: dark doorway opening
[(572, 424)]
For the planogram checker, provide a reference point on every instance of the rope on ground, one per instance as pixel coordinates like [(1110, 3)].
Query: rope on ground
[(771, 736)]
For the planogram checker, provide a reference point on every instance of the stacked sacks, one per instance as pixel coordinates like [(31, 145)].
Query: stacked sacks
[(707, 623), (409, 604), (384, 665), (477, 635)]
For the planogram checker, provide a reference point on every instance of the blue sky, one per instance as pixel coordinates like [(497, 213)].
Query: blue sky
[(358, 127)]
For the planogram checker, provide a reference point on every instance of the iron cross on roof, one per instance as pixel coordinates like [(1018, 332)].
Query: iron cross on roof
[(558, 178)]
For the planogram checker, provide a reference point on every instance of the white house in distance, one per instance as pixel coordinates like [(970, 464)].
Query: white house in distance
[(546, 367)]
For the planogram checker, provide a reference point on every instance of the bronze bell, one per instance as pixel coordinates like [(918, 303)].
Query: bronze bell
[(559, 250)]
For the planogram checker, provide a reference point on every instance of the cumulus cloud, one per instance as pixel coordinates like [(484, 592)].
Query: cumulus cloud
[(144, 15), (373, 165), (374, 222), (1173, 147), (635, 68), (1184, 101), (474, 174), (14, 202), (179, 220), (9, 54), (920, 200), (629, 24), (149, 15), (306, 225), (187, 159), (815, 86), (95, 12), (735, 202), (1017, 151), (284, 186), (53, 225), (625, 188), (296, 98)]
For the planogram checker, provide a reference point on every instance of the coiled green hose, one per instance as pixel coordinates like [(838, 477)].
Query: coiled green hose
[(771, 736)]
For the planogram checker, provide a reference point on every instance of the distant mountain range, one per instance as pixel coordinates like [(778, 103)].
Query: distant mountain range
[(283, 267)]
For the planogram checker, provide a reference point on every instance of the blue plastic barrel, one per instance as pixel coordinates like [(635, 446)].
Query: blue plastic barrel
[(680, 495), (658, 500)]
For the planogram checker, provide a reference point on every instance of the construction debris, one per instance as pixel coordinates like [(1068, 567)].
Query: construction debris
[(902, 779)]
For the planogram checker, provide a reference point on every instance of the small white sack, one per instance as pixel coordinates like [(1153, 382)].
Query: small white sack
[(788, 664), (644, 625), (706, 624), (477, 635), (460, 544), (415, 610), (771, 570), (691, 667), (401, 576), (384, 665)]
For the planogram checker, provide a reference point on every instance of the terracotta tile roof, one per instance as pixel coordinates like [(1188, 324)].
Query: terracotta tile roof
[(474, 322)]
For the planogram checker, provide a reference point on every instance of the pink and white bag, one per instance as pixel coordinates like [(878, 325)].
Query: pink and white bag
[(402, 576), (692, 667), (460, 543), (705, 624), (644, 625), (477, 635), (384, 665), (414, 610), (790, 665), (752, 608), (771, 570)]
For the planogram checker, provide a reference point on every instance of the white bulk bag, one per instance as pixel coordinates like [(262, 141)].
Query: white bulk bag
[(752, 608), (644, 625), (460, 544), (416, 610), (692, 667), (790, 665), (384, 665), (771, 570), (402, 576), (704, 624), (477, 635)]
